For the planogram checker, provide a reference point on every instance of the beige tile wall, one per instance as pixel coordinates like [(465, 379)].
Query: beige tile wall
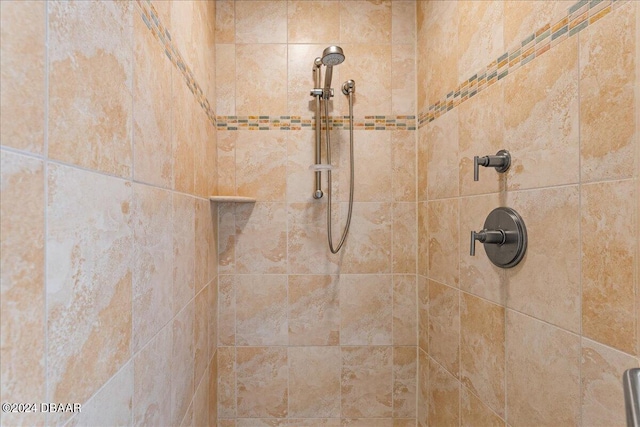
[(307, 337), (109, 257), (546, 342)]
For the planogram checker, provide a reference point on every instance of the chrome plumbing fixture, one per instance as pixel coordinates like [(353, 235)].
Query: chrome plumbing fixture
[(631, 387), (501, 162), (504, 237), (331, 56)]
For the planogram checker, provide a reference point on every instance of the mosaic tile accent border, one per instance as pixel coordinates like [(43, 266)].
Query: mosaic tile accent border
[(149, 15), (579, 16), (231, 123)]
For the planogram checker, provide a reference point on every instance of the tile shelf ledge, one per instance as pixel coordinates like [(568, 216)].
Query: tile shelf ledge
[(232, 199)]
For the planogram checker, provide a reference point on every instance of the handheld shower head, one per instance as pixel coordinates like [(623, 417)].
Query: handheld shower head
[(333, 55)]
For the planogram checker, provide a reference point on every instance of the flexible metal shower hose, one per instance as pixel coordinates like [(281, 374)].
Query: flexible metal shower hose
[(346, 228)]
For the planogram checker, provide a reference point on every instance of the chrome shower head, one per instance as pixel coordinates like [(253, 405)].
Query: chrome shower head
[(333, 55)]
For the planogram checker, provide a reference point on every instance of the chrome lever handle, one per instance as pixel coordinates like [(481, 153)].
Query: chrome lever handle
[(501, 162), (493, 237)]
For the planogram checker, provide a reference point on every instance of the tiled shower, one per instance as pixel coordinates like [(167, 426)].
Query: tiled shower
[(126, 290)]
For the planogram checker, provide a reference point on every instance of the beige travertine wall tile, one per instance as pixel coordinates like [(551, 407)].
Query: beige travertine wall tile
[(403, 22), (226, 238), (226, 310), (307, 239), (366, 375), (438, 35), (546, 283), (403, 77), (403, 155), (225, 101), (230, 422), (182, 362), (404, 237), (212, 298), (523, 17), (602, 395), (183, 120), (367, 422), (473, 412), (226, 359), (152, 380), (442, 141), (211, 169), (366, 21), (366, 312), (373, 170), (89, 241), (480, 35), (404, 310), (444, 326), (201, 166), (405, 369), (608, 254), (314, 381), (443, 397), (183, 250), (203, 39), (90, 63), (443, 241), (151, 110), (367, 249), (22, 76), (188, 417), (423, 243), (481, 133), (205, 246), (152, 267), (201, 337), (608, 129), (261, 165), (314, 312), (22, 274), (261, 310), (404, 422), (313, 22), (423, 313), (225, 27), (370, 65), (423, 389), (267, 66), (482, 350), (226, 167), (546, 155), (201, 402), (117, 395), (213, 390), (263, 21), (262, 380), (422, 164), (261, 238), (543, 373), (478, 275)]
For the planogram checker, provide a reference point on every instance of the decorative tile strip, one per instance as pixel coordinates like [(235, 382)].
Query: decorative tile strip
[(308, 123), (149, 15), (578, 17)]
